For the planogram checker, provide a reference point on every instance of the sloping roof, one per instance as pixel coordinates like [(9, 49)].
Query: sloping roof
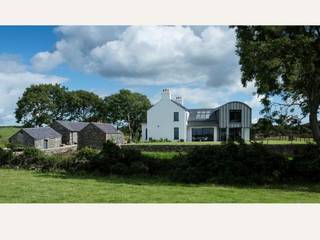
[(210, 116), (180, 105), (73, 126), (106, 128), (42, 133)]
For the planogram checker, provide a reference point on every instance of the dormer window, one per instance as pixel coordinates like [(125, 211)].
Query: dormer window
[(235, 116), (176, 116)]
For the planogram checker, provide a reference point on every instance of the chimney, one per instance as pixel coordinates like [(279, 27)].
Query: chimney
[(166, 93), (179, 100)]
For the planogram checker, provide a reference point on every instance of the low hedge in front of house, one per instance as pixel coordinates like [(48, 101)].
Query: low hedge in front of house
[(231, 163)]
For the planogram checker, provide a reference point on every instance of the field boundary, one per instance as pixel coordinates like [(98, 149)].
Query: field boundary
[(277, 148)]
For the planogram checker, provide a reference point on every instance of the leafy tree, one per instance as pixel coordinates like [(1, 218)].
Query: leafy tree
[(40, 104), (129, 109), (263, 127), (283, 61), (84, 106)]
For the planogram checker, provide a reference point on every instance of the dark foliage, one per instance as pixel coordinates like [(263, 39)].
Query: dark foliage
[(5, 156), (231, 163), (305, 166)]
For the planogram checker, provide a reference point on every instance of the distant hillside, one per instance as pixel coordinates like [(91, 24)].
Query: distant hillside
[(6, 132)]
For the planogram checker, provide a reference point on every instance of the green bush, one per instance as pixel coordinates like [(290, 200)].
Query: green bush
[(231, 163), (305, 165), (119, 169), (5, 157), (87, 153), (138, 167), (30, 158)]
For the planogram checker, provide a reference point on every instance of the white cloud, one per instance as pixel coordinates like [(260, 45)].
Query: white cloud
[(46, 61), (14, 78), (161, 55)]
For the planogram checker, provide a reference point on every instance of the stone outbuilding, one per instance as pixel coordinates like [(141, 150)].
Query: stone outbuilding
[(41, 138), (69, 130), (95, 134)]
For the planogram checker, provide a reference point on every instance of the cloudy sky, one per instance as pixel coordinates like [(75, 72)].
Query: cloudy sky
[(198, 63)]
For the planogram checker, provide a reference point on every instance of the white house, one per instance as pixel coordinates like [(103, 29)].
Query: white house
[(169, 119)]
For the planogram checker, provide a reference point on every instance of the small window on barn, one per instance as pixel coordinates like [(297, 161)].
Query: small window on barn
[(235, 116)]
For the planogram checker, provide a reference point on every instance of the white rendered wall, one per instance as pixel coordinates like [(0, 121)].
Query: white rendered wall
[(160, 122), (246, 134), (143, 132)]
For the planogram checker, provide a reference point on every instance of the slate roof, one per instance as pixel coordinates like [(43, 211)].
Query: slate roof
[(73, 126), (42, 133), (180, 105), (106, 128)]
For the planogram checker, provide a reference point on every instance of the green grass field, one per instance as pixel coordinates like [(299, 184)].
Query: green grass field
[(20, 186), (5, 133)]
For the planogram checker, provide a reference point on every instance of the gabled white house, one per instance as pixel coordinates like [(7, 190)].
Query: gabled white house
[(169, 119)]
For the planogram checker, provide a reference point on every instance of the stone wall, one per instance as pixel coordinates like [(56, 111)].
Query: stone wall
[(283, 148), (58, 150)]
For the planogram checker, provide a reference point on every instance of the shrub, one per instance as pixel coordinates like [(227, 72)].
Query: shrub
[(5, 156), (305, 166), (119, 169), (138, 167), (231, 163), (30, 158), (110, 155), (87, 153)]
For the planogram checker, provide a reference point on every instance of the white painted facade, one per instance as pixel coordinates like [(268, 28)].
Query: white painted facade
[(161, 123)]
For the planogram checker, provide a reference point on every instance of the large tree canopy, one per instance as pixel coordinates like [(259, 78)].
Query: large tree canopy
[(129, 109), (283, 61), (40, 104), (43, 103), (85, 106)]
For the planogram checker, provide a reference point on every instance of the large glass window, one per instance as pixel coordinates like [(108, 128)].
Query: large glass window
[(176, 116), (235, 116), (176, 133), (202, 134), (234, 134)]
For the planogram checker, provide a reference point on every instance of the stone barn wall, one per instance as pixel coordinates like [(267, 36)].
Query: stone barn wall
[(52, 143), (63, 131), (21, 138), (91, 136)]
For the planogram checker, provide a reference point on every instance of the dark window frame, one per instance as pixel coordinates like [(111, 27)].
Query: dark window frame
[(176, 133), (235, 116), (176, 116)]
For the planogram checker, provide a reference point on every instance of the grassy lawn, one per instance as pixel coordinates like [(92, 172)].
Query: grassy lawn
[(5, 133), (20, 186)]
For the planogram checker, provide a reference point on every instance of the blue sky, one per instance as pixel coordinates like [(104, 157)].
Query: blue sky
[(198, 62)]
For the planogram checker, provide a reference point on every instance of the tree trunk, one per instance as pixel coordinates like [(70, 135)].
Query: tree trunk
[(314, 123)]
